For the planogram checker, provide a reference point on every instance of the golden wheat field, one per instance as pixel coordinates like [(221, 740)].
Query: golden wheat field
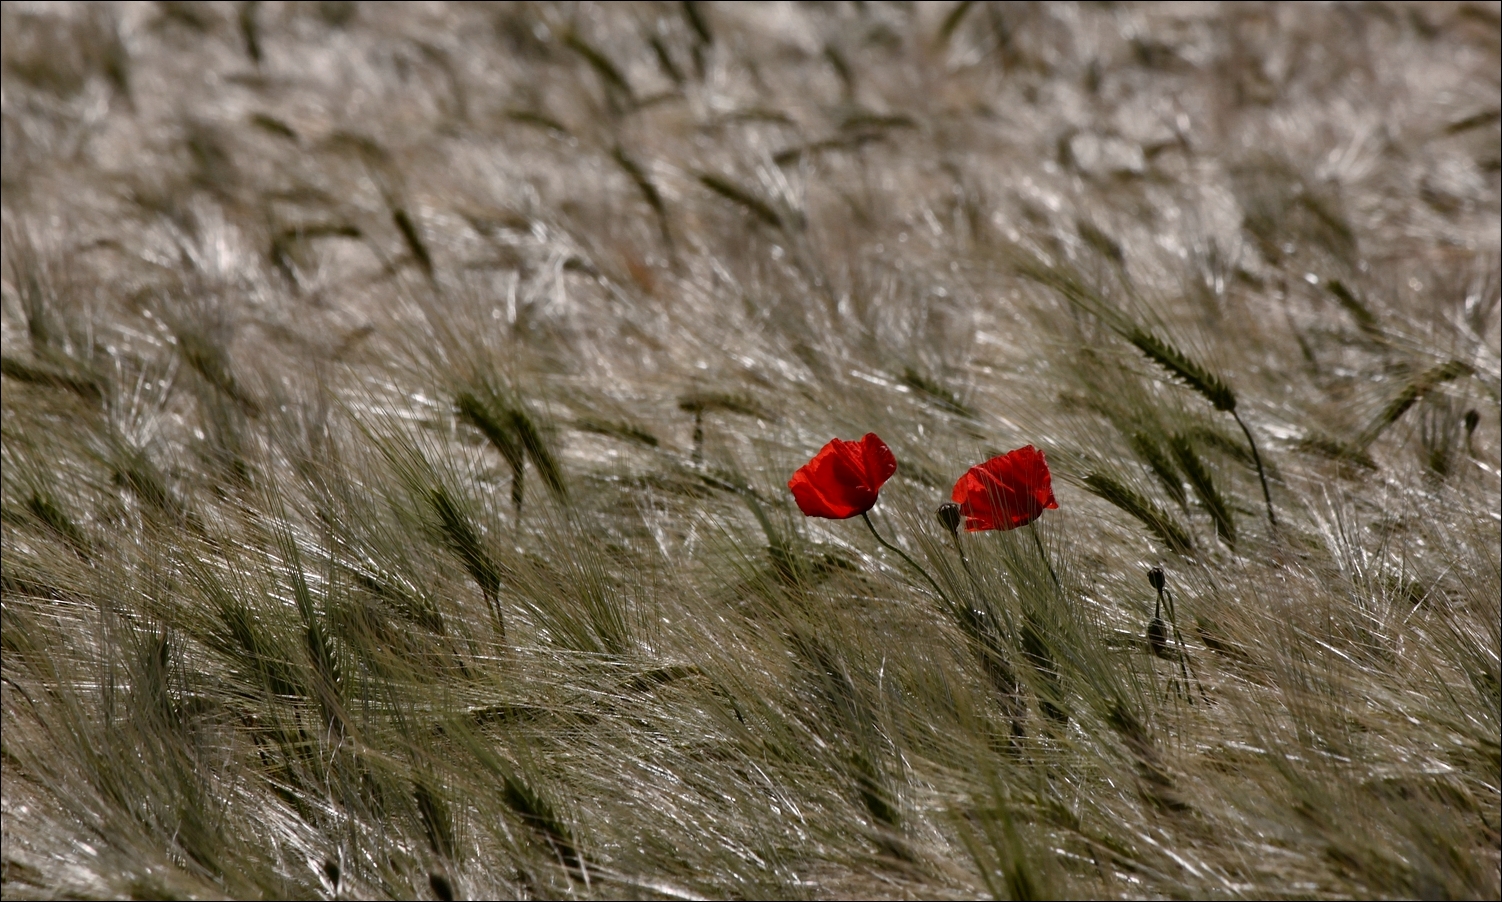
[(402, 405)]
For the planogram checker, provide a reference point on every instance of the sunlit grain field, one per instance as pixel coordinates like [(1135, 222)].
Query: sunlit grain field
[(399, 404)]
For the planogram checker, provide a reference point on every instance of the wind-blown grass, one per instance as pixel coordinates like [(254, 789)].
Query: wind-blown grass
[(399, 402)]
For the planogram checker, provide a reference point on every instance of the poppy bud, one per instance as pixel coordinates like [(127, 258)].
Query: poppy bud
[(1156, 578), (949, 515), (1157, 636)]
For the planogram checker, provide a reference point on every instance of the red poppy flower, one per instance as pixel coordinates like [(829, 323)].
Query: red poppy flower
[(1005, 492), (843, 478)]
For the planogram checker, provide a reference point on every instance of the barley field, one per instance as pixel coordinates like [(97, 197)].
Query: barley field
[(400, 402)]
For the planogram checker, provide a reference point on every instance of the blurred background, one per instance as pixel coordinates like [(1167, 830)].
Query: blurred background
[(399, 400)]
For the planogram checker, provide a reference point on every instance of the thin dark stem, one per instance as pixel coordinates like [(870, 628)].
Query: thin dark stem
[(1043, 554), (964, 561), (495, 609), (1183, 648), (902, 554), (1173, 618), (1261, 474), (698, 436)]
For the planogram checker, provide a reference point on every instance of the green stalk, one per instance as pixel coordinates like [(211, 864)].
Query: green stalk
[(902, 554)]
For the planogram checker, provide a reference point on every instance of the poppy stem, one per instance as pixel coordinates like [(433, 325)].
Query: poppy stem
[(1043, 554), (1183, 648), (964, 561), (903, 554)]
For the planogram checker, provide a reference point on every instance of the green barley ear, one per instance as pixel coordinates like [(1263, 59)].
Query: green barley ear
[(1206, 383), (530, 436), (1151, 453), (738, 195), (210, 359), (665, 61), (693, 14), (699, 403), (437, 820), (1036, 647), (1421, 385), (1334, 449), (533, 810), (1170, 358), (464, 541), (1204, 488), (951, 22), (1366, 321), (44, 507), (132, 469), (491, 424), (609, 73), (1157, 783), (648, 189), (1185, 368), (1103, 244), (413, 239), (707, 402), (538, 120), (86, 385), (1150, 515), (513, 433), (936, 392), (623, 430), (494, 424), (322, 653)]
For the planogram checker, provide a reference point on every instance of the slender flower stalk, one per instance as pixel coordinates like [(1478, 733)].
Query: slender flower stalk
[(904, 555)]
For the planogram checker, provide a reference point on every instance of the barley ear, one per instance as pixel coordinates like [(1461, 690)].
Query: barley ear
[(738, 195), (1421, 385), (1181, 365), (1204, 488), (1206, 383), (1150, 515)]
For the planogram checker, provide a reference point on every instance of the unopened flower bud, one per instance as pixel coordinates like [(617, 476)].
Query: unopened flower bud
[(1156, 578), (949, 515)]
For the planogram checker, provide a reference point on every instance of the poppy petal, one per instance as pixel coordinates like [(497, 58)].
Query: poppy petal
[(843, 479), (1005, 492)]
